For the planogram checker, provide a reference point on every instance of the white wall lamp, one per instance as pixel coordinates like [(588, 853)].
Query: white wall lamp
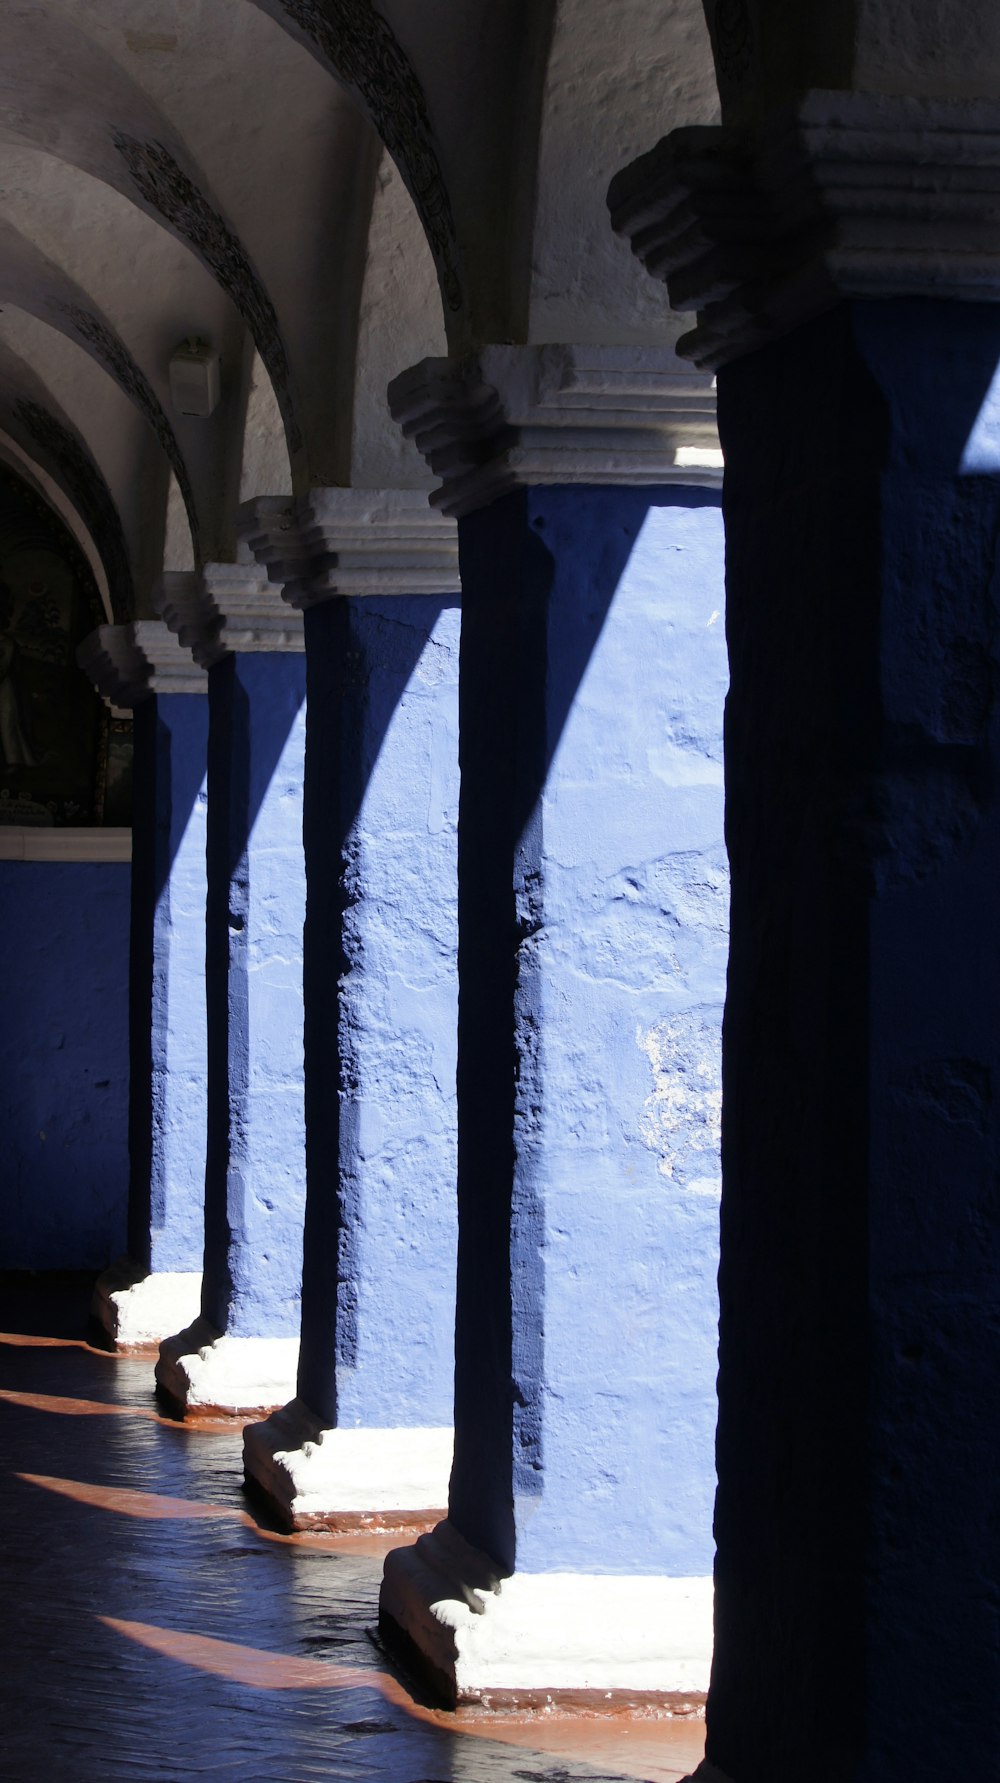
[(194, 378)]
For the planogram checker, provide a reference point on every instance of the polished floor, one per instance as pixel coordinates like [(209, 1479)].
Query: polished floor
[(151, 1628)]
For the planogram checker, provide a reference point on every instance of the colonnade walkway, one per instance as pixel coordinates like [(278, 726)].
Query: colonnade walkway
[(154, 1628)]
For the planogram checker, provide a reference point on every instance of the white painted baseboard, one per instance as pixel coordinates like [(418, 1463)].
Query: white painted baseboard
[(556, 1631), (138, 1309), (203, 1369), (312, 1472)]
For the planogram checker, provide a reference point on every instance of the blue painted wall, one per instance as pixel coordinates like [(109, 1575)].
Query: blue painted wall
[(593, 902), (63, 1064), (255, 1180), (381, 1004), (859, 1385), (168, 1105)]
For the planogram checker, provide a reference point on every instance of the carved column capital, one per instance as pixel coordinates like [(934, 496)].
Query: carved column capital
[(512, 417), (128, 663), (227, 608), (846, 195), (353, 542)]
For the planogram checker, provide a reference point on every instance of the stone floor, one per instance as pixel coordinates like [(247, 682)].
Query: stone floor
[(151, 1628)]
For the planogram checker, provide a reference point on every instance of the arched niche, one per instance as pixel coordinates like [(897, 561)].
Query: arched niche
[(65, 761)]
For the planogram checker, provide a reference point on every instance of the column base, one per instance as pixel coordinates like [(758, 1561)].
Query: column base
[(535, 1638), (138, 1309), (314, 1477), (205, 1371)]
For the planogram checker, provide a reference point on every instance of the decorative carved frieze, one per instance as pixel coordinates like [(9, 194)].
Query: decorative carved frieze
[(225, 609), (511, 417), (849, 195), (353, 542), (127, 663)]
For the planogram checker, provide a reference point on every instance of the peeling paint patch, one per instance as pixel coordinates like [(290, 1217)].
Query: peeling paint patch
[(682, 1118)]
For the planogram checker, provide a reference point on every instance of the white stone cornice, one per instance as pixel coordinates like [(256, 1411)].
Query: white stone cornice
[(184, 603), (353, 543), (515, 417), (849, 195), (227, 608), (127, 663)]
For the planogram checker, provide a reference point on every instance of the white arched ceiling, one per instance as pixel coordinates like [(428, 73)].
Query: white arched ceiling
[(399, 323), (264, 466), (152, 292), (62, 92), (32, 416), (29, 279), (289, 161), (507, 123), (618, 78), (123, 446)]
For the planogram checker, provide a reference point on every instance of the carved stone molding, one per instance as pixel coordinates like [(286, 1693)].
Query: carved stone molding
[(513, 417), (225, 609), (128, 663), (353, 542), (849, 195)]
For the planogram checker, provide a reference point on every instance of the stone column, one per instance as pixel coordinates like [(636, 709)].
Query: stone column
[(845, 264), (240, 1354), (158, 1284), (592, 941), (367, 1439)]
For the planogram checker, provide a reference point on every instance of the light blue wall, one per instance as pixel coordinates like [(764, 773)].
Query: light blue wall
[(63, 1064), (168, 1114), (593, 939), (381, 1006), (255, 1183)]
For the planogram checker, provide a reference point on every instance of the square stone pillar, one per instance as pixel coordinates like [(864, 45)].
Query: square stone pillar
[(577, 1553), (144, 1296), (858, 1568), (241, 1353), (368, 1437)]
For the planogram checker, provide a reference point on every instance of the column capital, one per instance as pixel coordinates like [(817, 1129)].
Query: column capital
[(844, 195), (510, 417), (225, 609), (128, 663), (352, 542)]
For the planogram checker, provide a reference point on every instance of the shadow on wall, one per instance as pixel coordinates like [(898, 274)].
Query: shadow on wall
[(63, 1063)]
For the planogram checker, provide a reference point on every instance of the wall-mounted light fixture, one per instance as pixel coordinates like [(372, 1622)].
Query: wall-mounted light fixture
[(194, 378)]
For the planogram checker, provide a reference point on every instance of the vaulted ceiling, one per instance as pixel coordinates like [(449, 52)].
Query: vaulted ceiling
[(324, 191)]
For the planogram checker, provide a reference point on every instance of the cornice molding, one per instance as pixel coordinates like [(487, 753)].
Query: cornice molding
[(352, 543), (227, 609), (850, 195), (512, 417), (128, 663)]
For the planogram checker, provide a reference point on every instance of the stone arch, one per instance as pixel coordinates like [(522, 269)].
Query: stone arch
[(35, 284), (60, 92)]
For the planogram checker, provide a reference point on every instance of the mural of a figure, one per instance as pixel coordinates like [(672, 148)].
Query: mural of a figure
[(14, 746)]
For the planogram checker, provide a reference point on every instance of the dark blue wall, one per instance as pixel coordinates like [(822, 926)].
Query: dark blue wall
[(63, 1064)]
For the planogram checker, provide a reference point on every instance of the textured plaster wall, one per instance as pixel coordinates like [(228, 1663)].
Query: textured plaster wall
[(63, 1064), (593, 928), (399, 323), (617, 80), (255, 1181), (168, 1104), (381, 809), (859, 1388)]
